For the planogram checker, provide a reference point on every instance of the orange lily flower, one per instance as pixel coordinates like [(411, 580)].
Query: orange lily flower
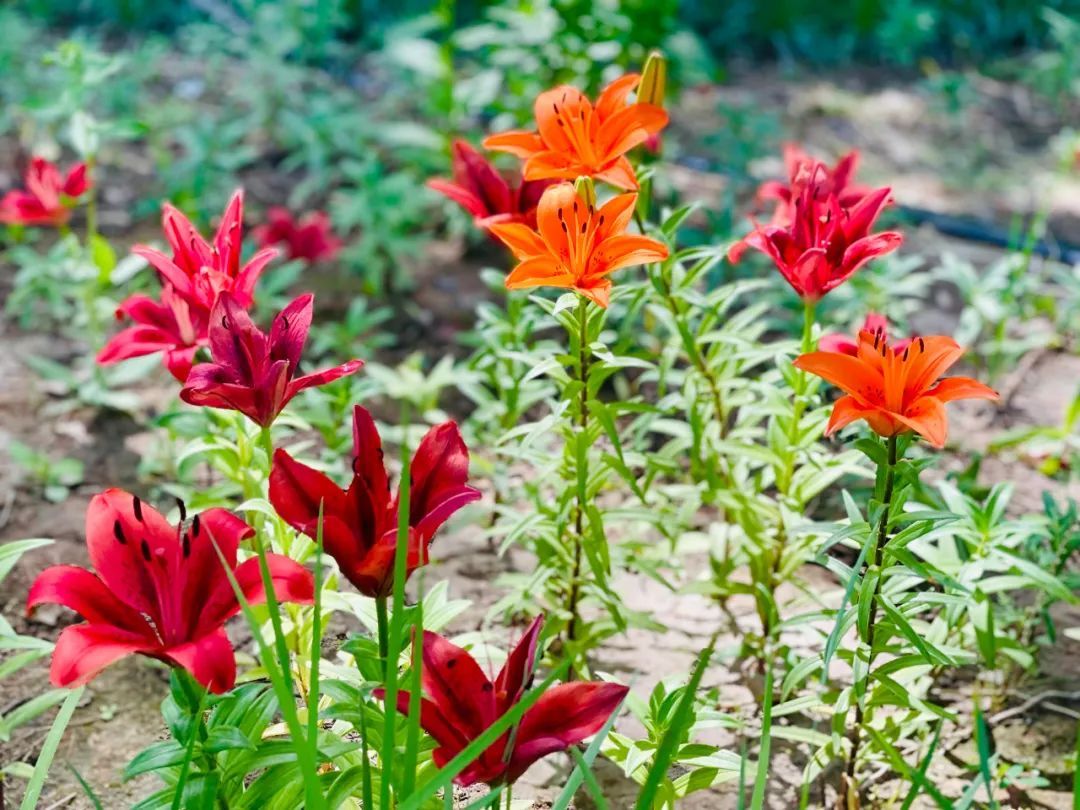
[(576, 245), (895, 392), (577, 139)]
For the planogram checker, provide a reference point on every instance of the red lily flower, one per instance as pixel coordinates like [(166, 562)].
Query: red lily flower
[(803, 169), (895, 392), (170, 326), (310, 238), (253, 372), (48, 198), (480, 189), (460, 703), (575, 138), (200, 271), (875, 324), (825, 243), (160, 590), (360, 523)]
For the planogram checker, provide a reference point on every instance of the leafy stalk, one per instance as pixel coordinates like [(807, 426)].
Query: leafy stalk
[(881, 536)]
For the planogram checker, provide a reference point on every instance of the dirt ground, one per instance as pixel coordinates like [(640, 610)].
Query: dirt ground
[(906, 142)]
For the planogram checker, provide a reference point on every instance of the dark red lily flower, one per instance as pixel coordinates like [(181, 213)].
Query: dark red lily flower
[(484, 192), (803, 169), (310, 238), (875, 324), (169, 325), (159, 590), (253, 372), (47, 198), (200, 271), (825, 243), (460, 703), (360, 523)]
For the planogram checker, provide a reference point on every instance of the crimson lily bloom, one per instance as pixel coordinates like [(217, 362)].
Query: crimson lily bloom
[(47, 198), (198, 270), (310, 238), (825, 243), (875, 324), (360, 524), (576, 139), (484, 192), (169, 325), (803, 169), (253, 372), (460, 703), (576, 246), (895, 392), (159, 590)]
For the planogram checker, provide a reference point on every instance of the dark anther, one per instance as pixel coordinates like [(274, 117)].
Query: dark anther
[(487, 687), (559, 210), (186, 545), (575, 206), (584, 226), (564, 227), (451, 663), (224, 322), (183, 510), (601, 220), (145, 550), (877, 337), (906, 350), (582, 113), (922, 346), (195, 525), (136, 505), (559, 121), (118, 533), (555, 107)]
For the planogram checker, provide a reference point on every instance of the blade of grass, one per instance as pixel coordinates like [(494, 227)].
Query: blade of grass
[(487, 800), (412, 734), (446, 774), (314, 799), (366, 761), (918, 778), (982, 738), (48, 749), (393, 642), (590, 780), (89, 791), (665, 752), (761, 775), (189, 749), (316, 644), (577, 776), (1076, 772)]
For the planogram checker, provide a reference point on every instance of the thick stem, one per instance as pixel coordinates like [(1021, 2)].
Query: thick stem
[(583, 475), (882, 534)]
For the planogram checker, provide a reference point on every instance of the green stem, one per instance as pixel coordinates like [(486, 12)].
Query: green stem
[(855, 734), (582, 477), (384, 626), (787, 472), (266, 440)]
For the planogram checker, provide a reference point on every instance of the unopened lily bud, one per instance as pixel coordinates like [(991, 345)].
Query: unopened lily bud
[(586, 189), (653, 80)]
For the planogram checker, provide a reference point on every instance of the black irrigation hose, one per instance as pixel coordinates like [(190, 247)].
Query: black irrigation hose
[(975, 230)]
